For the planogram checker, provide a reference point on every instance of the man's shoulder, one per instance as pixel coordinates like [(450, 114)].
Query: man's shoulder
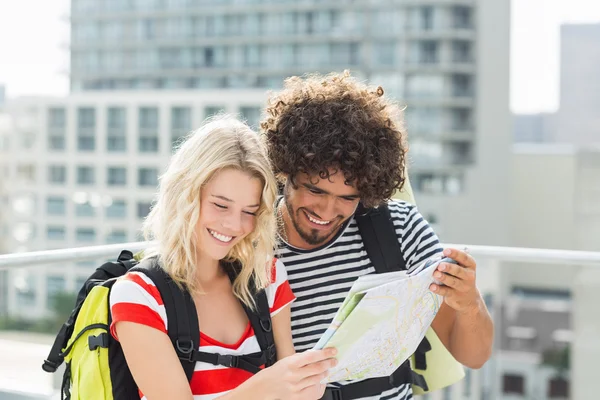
[(400, 208)]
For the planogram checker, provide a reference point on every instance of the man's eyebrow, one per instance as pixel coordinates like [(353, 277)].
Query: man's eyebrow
[(316, 188), (231, 201)]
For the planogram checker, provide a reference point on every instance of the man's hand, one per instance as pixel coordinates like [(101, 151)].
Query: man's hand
[(458, 282)]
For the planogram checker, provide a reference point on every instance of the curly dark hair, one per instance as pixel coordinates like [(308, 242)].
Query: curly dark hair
[(319, 124)]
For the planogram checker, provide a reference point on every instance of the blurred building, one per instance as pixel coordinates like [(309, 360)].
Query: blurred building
[(534, 128), (84, 171), (447, 61), (534, 345), (555, 199), (578, 117)]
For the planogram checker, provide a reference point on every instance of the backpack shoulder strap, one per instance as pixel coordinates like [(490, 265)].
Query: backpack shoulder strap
[(260, 318), (184, 330), (263, 327), (379, 237)]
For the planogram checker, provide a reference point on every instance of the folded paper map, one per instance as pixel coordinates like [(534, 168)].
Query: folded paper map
[(381, 322)]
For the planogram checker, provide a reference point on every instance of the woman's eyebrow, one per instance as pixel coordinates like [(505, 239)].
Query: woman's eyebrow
[(231, 201)]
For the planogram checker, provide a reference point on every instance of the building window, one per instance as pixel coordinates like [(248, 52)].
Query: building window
[(26, 289), (426, 18), (117, 210), (56, 128), (86, 176), (460, 119), (57, 174), (143, 208), (181, 123), (513, 384), (558, 388), (462, 85), (86, 127), (55, 205), (461, 51), (385, 53), (116, 176), (85, 209), (210, 111), (85, 234), (443, 183), (55, 284), (428, 53), (148, 177), (55, 233), (148, 130), (116, 236), (462, 17), (116, 138), (251, 115), (26, 172)]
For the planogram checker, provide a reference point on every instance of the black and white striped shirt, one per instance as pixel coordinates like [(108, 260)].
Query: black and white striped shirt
[(321, 278)]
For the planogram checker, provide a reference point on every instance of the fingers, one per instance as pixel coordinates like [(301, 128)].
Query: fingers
[(441, 290), (455, 276), (313, 380), (450, 281), (461, 257), (313, 356), (318, 368)]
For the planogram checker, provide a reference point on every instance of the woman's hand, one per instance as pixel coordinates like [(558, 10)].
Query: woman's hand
[(299, 376)]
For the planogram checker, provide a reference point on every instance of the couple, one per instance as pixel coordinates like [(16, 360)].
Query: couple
[(332, 142)]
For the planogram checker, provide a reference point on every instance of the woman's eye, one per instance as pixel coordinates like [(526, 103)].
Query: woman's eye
[(250, 213), (220, 206)]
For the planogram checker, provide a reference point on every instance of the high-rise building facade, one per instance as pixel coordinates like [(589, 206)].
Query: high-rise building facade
[(83, 171), (447, 61)]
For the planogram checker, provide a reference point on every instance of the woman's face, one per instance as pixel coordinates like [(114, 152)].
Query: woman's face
[(228, 206)]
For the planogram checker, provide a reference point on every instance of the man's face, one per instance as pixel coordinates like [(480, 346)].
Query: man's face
[(318, 207)]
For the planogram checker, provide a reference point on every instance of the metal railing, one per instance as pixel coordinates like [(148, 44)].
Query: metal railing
[(511, 254)]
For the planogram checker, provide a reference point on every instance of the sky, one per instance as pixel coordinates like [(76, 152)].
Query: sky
[(34, 37)]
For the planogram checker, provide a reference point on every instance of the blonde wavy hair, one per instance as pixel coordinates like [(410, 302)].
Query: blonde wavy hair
[(221, 143)]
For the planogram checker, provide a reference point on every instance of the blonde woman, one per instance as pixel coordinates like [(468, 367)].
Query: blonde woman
[(214, 209)]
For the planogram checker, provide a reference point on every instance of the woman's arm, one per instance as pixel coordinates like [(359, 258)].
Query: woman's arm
[(282, 332), (153, 362)]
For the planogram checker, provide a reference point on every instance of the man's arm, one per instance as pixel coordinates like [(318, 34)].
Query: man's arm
[(463, 322)]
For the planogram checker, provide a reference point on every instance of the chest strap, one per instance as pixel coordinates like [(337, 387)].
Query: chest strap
[(252, 363), (376, 386)]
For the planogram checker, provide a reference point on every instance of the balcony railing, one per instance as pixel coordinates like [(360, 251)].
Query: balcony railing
[(483, 384)]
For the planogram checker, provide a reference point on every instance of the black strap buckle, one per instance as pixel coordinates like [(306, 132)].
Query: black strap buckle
[(266, 325), (98, 341), (332, 393), (185, 348), (49, 366), (227, 360)]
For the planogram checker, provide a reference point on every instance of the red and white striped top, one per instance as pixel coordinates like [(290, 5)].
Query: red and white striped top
[(135, 298)]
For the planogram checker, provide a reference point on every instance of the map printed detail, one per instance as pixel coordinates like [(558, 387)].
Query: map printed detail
[(381, 322)]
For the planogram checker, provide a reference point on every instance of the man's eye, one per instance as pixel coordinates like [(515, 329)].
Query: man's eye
[(315, 191)]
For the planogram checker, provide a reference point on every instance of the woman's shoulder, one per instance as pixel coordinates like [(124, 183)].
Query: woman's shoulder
[(278, 272)]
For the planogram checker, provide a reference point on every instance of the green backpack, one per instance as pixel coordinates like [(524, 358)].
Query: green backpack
[(96, 368)]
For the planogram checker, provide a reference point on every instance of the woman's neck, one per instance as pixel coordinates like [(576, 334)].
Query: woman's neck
[(208, 271)]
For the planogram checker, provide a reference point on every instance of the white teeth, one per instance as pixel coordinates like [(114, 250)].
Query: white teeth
[(316, 221), (222, 238)]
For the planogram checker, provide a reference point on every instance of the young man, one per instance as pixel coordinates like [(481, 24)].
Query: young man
[(335, 142)]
